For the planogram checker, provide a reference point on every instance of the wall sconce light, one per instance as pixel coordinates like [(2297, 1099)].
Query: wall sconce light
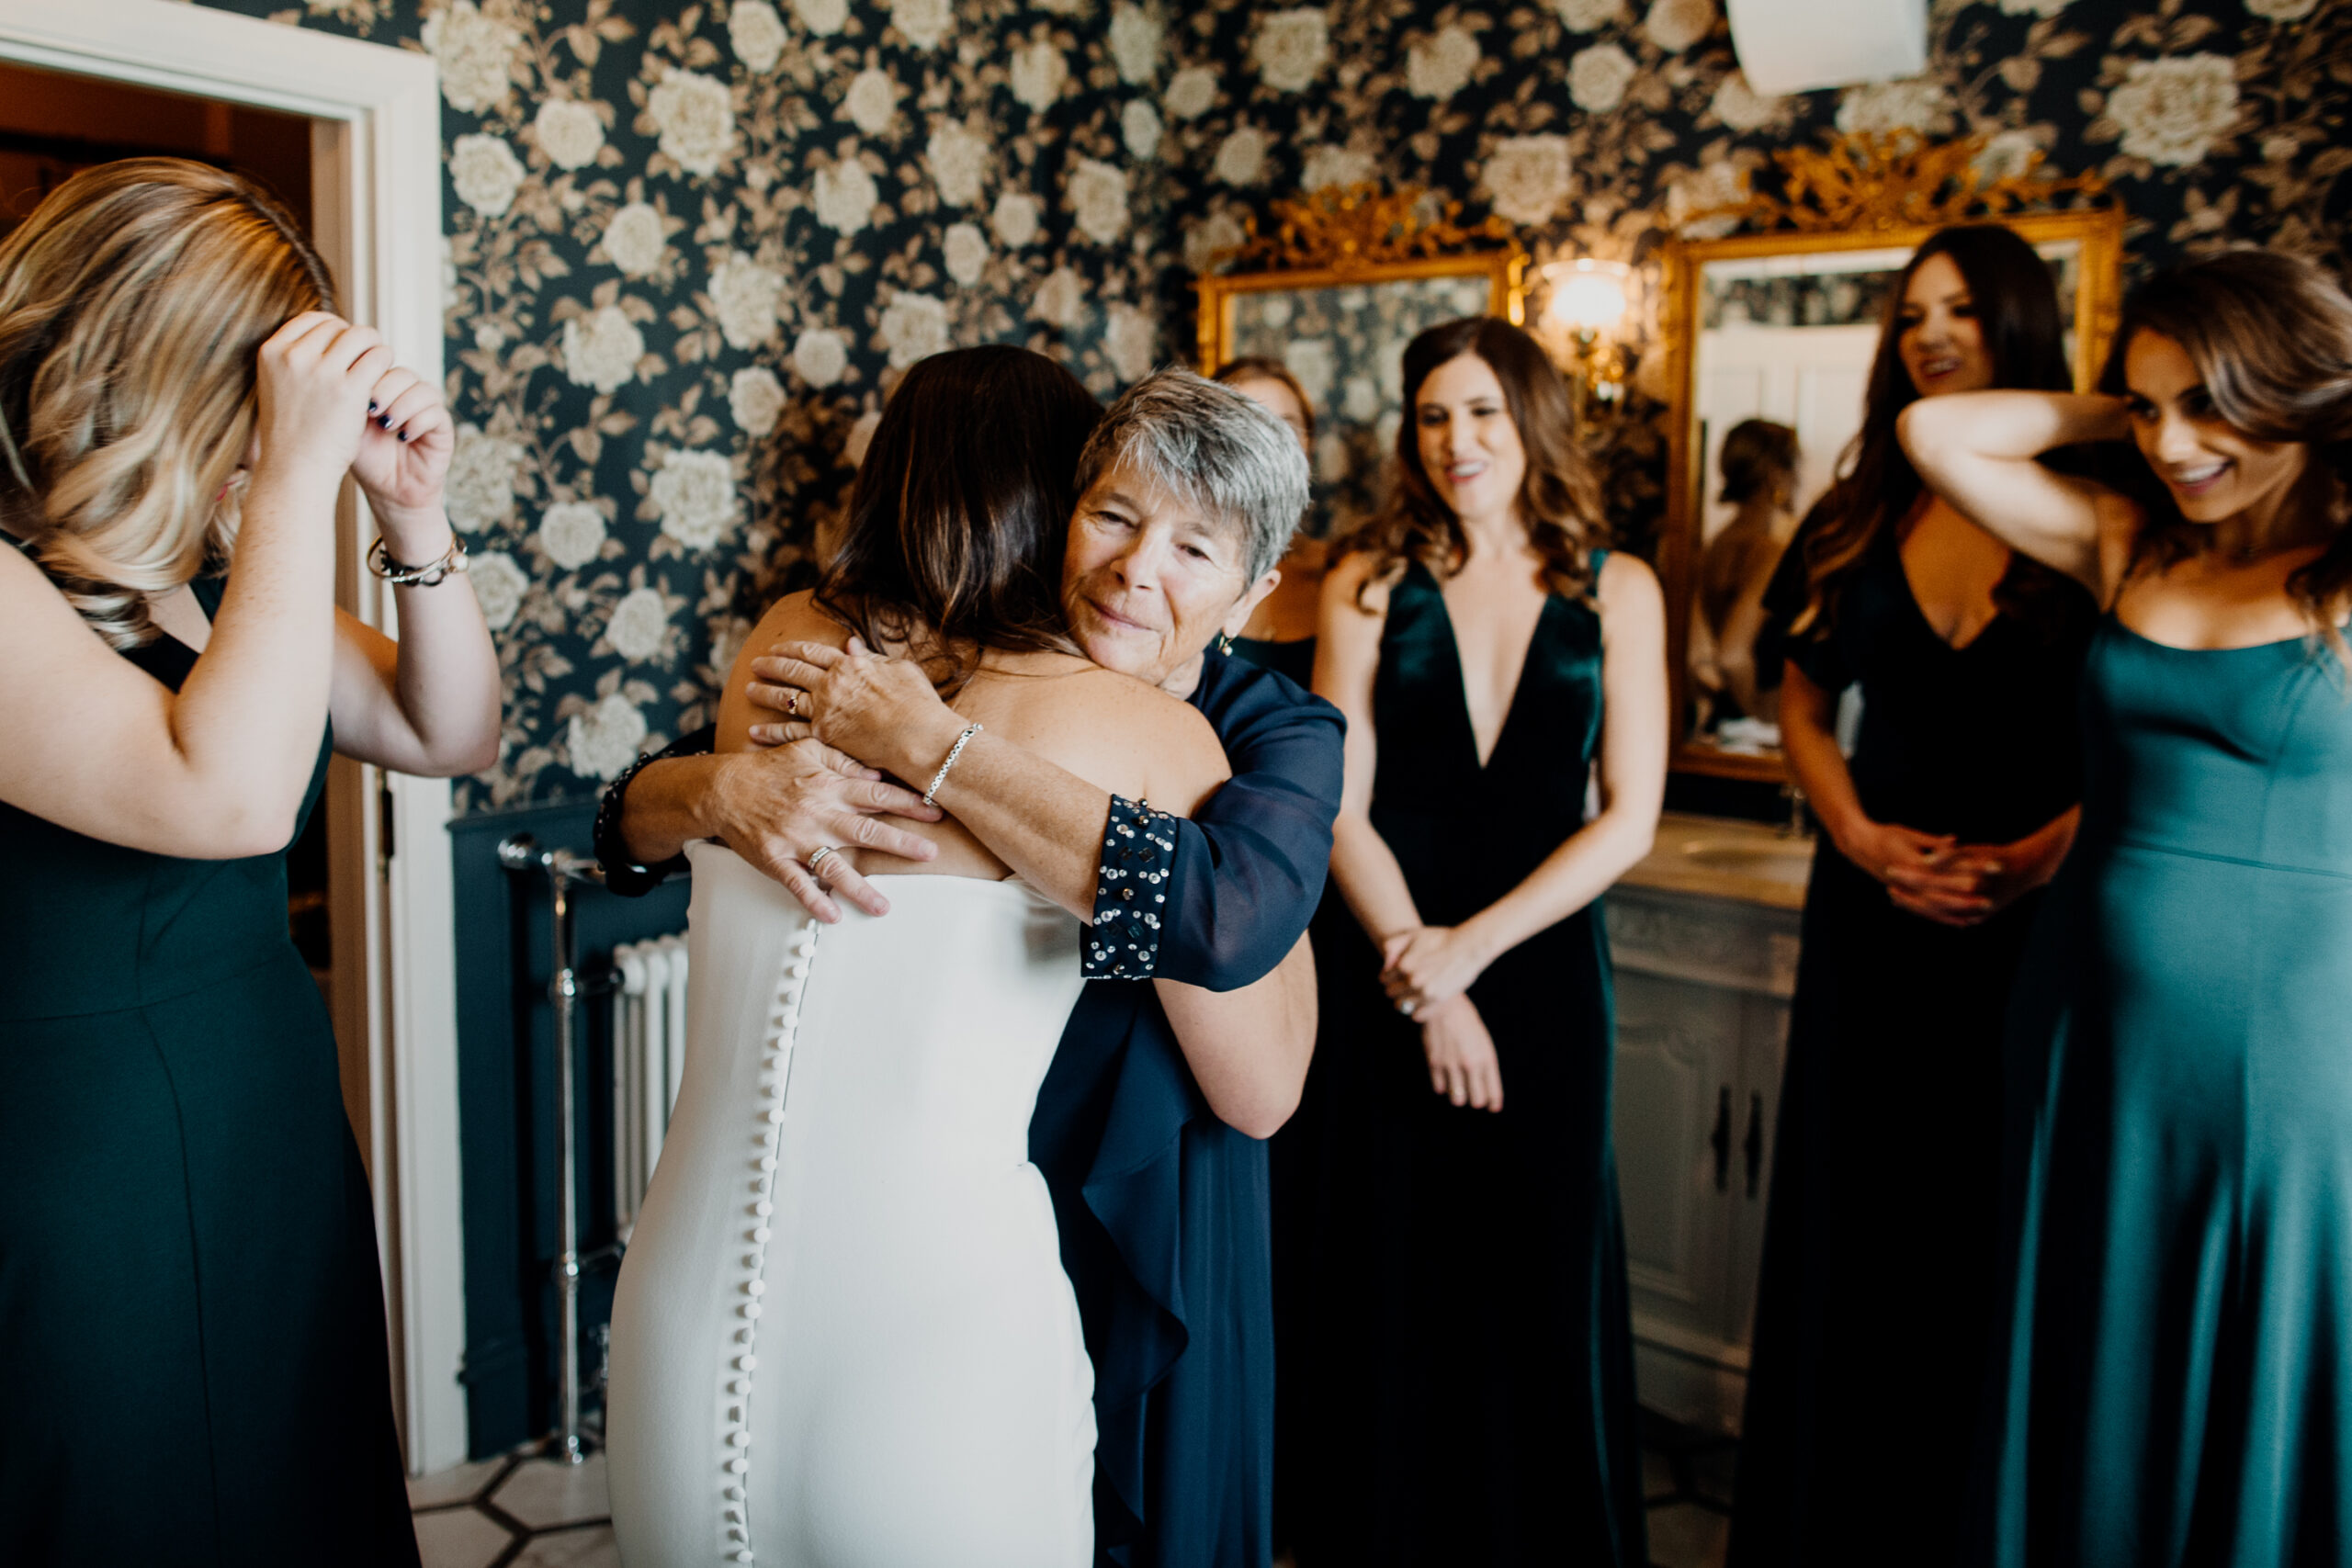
[(1587, 301)]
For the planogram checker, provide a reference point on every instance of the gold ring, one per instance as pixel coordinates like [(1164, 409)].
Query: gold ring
[(793, 707)]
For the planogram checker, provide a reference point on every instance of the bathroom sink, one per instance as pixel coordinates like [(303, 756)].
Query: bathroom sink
[(1774, 860)]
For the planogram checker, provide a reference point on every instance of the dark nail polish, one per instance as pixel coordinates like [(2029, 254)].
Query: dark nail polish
[(403, 435), (371, 406), (385, 420)]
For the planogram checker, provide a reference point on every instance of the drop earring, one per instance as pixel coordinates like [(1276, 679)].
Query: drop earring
[(1225, 642)]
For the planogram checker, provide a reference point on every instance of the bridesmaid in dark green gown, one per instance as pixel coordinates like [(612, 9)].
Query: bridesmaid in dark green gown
[(192, 1330), (1468, 1396), (2173, 1379)]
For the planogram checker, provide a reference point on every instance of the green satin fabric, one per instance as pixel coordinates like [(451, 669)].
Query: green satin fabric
[(2175, 1382)]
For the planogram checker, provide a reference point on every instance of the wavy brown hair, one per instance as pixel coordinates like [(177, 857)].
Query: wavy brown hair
[(133, 305), (1559, 498), (2271, 338), (1263, 368), (956, 523), (2016, 307)]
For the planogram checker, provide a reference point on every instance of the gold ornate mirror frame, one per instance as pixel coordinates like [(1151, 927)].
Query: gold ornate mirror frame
[(2099, 232)]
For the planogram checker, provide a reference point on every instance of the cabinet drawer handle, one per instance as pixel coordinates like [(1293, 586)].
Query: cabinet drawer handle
[(1753, 1145), (1721, 1139)]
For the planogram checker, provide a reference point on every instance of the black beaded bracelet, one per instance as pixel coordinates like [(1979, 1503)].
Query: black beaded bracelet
[(622, 875)]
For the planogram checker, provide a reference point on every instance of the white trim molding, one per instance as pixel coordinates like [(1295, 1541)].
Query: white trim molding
[(375, 149)]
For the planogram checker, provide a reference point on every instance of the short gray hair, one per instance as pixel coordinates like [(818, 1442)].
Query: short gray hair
[(1215, 448)]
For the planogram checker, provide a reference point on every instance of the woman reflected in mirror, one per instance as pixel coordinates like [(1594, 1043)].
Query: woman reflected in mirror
[(1280, 632), (1759, 464), (2173, 1373), (1957, 803), (1469, 1397)]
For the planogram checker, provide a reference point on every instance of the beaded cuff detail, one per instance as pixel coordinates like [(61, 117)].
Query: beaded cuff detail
[(1130, 892), (622, 875), (735, 1376)]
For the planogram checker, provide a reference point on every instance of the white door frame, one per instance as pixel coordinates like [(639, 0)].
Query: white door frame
[(376, 159)]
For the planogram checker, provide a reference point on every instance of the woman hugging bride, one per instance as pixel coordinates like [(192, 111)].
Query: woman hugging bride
[(843, 1336)]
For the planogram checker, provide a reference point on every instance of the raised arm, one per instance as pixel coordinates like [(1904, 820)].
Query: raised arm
[(217, 770), (1432, 966), (1980, 452)]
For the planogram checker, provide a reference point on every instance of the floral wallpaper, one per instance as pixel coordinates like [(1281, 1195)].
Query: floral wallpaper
[(690, 246)]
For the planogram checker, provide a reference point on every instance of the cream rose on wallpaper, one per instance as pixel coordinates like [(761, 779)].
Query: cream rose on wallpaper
[(1741, 107), (2008, 155), (843, 196), (480, 56), (1203, 241), (1136, 36), (1241, 156), (571, 532), (755, 399), (757, 34), (2173, 110), (1140, 130), (601, 349), (479, 490), (568, 133), (922, 22), (1693, 202), (872, 101), (1598, 76), (914, 326), (1060, 300), (694, 116), (639, 622), (1912, 104), (693, 495), (1132, 340), (1675, 24), (743, 294), (1037, 75), (633, 240), (1098, 195), (964, 251), (822, 17), (1337, 166), (1192, 92), (499, 584), (1588, 15), (485, 172), (958, 162), (1440, 66), (1293, 47), (603, 740), (1015, 219), (1528, 176), (820, 356)]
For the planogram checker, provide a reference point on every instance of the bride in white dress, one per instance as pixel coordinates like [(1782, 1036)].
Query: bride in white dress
[(842, 1338)]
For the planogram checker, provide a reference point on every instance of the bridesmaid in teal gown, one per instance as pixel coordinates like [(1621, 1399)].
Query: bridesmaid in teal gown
[(2173, 1382), (192, 1334), (1468, 1396)]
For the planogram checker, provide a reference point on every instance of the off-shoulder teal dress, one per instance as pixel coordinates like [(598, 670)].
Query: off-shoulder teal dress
[(193, 1367), (2174, 1381)]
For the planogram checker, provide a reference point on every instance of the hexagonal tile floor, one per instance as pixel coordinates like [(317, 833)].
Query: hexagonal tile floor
[(518, 1512)]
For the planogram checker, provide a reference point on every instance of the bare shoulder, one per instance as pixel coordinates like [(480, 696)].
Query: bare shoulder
[(1354, 584), (1628, 586), (793, 618), (1109, 729)]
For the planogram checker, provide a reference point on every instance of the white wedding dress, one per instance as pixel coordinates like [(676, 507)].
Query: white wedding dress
[(841, 1337)]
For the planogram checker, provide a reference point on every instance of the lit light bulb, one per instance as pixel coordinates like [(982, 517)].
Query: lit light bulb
[(1588, 295)]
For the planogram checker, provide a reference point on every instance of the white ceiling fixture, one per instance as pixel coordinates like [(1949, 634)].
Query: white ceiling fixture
[(1796, 46)]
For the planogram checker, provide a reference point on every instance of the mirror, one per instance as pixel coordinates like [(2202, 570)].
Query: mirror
[(1782, 327), (1342, 332)]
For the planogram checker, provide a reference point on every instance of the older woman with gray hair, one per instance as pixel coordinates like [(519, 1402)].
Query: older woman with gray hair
[(1149, 1126)]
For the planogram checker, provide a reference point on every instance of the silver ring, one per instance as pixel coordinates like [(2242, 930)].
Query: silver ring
[(817, 859)]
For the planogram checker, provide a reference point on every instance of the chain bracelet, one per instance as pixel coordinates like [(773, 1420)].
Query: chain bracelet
[(400, 574), (952, 752)]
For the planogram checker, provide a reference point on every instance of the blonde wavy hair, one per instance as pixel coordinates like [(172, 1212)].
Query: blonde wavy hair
[(133, 304)]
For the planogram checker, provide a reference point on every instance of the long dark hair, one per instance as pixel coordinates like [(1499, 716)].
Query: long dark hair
[(1559, 499), (2271, 338), (2017, 307), (957, 520)]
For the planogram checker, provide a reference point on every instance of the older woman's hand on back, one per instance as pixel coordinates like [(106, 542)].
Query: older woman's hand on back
[(883, 711)]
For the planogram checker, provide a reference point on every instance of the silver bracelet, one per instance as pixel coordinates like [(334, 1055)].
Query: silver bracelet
[(400, 574), (952, 752)]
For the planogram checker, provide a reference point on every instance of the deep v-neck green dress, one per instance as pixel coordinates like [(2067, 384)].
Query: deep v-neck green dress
[(1469, 1396), (193, 1368), (2177, 1383)]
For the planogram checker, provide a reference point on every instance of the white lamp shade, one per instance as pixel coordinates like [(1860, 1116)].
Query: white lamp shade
[(1586, 294), (1796, 46)]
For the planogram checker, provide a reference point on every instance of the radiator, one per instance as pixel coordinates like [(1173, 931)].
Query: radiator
[(649, 1054)]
